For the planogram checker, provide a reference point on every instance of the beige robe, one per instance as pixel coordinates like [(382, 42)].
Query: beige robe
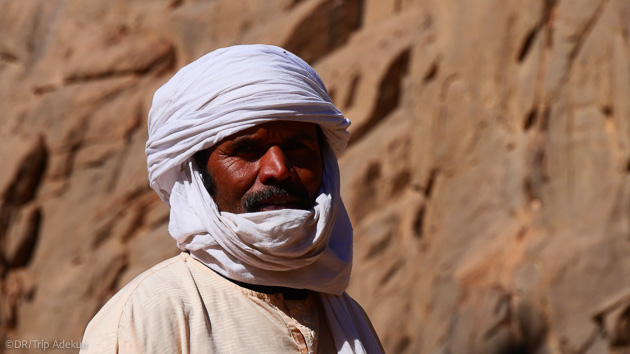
[(181, 306)]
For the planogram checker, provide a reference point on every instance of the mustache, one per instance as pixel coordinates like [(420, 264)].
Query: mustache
[(251, 202)]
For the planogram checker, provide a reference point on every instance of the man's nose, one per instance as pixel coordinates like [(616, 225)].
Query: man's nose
[(274, 166)]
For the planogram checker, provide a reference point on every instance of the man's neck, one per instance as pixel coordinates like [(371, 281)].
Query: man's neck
[(287, 293)]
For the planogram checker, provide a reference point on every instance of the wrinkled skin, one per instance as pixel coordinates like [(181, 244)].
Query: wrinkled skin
[(272, 166)]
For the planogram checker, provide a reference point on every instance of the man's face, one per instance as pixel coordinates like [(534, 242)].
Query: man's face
[(271, 166)]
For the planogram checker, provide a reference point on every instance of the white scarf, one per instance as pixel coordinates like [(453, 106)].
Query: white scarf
[(222, 93)]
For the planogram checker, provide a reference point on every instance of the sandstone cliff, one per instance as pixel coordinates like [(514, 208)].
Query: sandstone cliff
[(488, 175)]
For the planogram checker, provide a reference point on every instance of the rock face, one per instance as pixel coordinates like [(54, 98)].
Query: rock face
[(488, 175)]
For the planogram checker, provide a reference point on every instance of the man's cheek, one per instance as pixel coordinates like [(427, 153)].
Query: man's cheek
[(312, 183)]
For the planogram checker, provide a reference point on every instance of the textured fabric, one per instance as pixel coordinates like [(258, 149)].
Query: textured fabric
[(181, 306), (218, 95)]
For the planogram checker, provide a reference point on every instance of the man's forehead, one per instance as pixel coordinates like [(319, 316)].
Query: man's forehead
[(276, 129)]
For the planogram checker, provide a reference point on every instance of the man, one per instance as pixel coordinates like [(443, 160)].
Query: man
[(243, 147)]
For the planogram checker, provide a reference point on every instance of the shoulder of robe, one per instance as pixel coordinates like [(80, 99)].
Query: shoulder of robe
[(367, 320), (154, 302)]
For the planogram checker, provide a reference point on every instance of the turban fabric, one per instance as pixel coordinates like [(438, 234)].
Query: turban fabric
[(220, 94)]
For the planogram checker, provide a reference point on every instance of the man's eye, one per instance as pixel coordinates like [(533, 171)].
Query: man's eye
[(244, 148), (246, 151), (296, 145)]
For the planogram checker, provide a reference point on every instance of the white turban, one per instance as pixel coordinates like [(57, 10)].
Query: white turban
[(218, 95)]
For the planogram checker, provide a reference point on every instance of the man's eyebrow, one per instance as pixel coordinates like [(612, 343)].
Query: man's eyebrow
[(302, 136), (246, 139)]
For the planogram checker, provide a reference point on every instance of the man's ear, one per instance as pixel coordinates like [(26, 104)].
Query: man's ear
[(201, 159)]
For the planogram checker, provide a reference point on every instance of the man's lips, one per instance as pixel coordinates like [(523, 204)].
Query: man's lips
[(276, 198)]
